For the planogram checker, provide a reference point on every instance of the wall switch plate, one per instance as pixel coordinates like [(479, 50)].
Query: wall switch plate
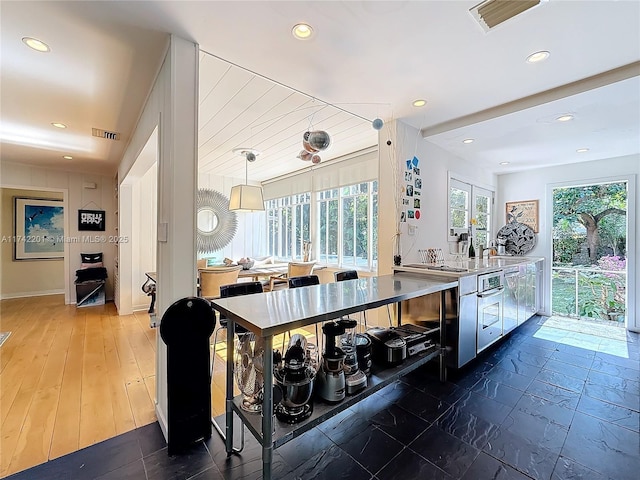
[(163, 232)]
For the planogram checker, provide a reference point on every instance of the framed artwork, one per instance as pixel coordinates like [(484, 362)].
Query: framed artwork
[(38, 229), (91, 220), (524, 211)]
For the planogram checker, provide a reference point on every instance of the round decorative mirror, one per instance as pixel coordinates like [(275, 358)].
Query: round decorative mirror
[(216, 224), (207, 220)]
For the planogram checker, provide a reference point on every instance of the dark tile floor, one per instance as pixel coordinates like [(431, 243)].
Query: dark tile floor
[(544, 404)]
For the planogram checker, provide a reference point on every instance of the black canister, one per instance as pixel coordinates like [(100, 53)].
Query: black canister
[(363, 352)]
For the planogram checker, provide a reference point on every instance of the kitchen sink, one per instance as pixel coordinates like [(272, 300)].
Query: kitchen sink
[(440, 268)]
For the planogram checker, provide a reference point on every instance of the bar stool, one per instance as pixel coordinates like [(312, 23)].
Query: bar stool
[(232, 290), (297, 282), (353, 275)]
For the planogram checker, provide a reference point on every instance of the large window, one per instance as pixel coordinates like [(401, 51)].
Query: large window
[(470, 211), (347, 222), (346, 226), (334, 206), (288, 221)]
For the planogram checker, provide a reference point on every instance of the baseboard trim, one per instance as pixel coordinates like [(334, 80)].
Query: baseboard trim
[(162, 422), (6, 296)]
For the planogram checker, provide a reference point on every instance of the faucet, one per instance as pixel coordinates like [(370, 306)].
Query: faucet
[(481, 249)]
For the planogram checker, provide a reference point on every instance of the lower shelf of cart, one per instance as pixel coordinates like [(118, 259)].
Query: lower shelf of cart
[(380, 377)]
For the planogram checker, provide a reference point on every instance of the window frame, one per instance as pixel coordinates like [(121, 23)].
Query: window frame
[(474, 190), (277, 210), (282, 245), (322, 200)]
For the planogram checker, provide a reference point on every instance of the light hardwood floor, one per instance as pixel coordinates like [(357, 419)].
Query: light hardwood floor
[(72, 377)]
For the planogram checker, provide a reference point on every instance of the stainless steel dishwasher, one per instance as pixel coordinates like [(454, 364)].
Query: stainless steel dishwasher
[(461, 333)]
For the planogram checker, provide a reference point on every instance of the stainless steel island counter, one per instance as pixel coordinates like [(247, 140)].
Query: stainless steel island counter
[(283, 310), (273, 313)]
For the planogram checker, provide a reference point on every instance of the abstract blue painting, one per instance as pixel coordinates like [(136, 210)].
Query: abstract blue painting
[(39, 229)]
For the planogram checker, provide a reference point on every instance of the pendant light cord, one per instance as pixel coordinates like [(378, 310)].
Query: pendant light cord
[(246, 169)]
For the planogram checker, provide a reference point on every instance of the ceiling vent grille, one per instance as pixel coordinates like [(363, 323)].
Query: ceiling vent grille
[(97, 132), (492, 13)]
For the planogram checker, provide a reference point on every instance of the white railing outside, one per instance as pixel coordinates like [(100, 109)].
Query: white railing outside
[(610, 274)]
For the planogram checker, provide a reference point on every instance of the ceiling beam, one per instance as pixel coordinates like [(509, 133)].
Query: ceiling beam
[(596, 81)]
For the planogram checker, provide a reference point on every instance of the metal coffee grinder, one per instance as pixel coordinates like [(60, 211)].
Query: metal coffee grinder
[(330, 380), (355, 379)]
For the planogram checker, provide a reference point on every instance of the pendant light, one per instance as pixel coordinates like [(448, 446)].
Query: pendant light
[(246, 198)]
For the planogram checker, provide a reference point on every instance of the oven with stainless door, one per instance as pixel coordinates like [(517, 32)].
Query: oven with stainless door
[(489, 308)]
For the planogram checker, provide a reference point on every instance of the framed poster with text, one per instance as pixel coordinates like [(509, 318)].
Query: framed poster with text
[(524, 211)]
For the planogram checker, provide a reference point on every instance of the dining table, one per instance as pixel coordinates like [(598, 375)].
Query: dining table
[(270, 269)]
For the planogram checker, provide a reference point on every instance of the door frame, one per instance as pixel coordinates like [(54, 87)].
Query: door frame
[(633, 322)]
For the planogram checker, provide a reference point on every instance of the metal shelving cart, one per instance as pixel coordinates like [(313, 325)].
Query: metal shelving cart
[(274, 313)]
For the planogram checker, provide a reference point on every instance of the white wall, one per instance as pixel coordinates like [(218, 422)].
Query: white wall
[(144, 241), (435, 166), (138, 207), (75, 197), (172, 108), (250, 238), (537, 184)]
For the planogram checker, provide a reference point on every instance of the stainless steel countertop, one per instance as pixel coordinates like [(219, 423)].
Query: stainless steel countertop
[(276, 312), (467, 266)]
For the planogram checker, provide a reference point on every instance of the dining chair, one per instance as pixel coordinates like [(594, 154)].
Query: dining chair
[(303, 281), (212, 278), (294, 269), (353, 275), (232, 290), (350, 275), (297, 282)]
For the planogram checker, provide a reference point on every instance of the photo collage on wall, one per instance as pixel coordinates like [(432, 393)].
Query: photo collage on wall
[(412, 198)]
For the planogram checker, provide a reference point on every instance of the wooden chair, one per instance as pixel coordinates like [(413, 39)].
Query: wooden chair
[(295, 269), (211, 279)]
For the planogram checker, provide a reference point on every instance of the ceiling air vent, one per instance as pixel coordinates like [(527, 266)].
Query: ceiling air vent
[(97, 132), (492, 13)]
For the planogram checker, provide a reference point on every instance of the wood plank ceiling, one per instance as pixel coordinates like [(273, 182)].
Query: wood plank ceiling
[(240, 109)]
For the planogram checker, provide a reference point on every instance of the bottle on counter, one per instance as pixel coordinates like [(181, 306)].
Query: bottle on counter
[(492, 250), (472, 252)]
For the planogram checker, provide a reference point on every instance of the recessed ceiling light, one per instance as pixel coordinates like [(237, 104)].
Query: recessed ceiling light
[(419, 103), (67, 157), (36, 44), (505, 163), (467, 140), (582, 150), (59, 125), (302, 31), (565, 118), (538, 56)]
